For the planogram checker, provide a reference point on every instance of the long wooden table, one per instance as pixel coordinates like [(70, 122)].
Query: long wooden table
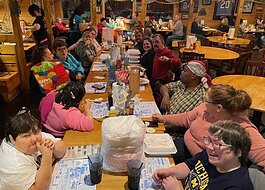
[(213, 53), (253, 85), (235, 41), (77, 138)]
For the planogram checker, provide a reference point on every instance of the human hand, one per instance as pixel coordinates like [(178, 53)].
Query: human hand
[(45, 147), (158, 116), (160, 174), (165, 103), (79, 76), (163, 59), (87, 104), (88, 42), (170, 183)]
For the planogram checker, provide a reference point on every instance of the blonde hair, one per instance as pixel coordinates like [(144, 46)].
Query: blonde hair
[(232, 100)]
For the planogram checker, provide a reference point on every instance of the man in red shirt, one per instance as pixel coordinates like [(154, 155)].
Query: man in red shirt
[(164, 61)]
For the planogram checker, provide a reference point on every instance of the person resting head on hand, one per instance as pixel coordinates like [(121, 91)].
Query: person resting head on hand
[(24, 142), (218, 167)]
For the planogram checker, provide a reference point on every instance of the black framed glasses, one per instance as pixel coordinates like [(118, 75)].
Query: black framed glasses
[(216, 145)]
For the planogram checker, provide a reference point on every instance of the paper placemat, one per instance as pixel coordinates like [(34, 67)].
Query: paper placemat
[(90, 89), (145, 109)]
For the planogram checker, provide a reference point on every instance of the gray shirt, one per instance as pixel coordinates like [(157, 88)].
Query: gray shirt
[(178, 28)]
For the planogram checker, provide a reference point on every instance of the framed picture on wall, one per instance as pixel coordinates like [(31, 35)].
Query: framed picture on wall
[(196, 5), (223, 8), (248, 6), (184, 16), (184, 6), (206, 2), (37, 2)]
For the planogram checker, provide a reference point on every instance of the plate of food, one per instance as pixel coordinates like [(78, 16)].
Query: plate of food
[(144, 81)]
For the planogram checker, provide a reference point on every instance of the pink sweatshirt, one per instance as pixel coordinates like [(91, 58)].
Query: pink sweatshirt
[(59, 120), (199, 120)]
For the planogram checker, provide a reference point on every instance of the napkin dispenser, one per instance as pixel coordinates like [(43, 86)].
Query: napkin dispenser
[(191, 39), (231, 33)]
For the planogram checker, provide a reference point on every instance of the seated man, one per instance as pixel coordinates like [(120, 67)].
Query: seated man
[(196, 29), (224, 27), (177, 31), (20, 166), (187, 93), (139, 42), (76, 71), (100, 26)]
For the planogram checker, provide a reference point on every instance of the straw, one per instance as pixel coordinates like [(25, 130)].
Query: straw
[(89, 159), (140, 166)]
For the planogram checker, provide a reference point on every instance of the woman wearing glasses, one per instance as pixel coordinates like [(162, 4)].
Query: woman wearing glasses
[(222, 102), (220, 166)]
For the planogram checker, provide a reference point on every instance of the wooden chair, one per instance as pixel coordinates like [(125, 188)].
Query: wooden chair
[(181, 44), (205, 42), (218, 33), (255, 68), (238, 67), (187, 56)]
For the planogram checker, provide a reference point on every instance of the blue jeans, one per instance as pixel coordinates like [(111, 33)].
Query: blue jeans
[(172, 37)]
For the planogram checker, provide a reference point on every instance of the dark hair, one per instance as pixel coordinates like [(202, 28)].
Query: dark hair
[(231, 99), (103, 19), (21, 123), (33, 8), (232, 133), (38, 53), (160, 36), (70, 95), (77, 11), (149, 40), (58, 43)]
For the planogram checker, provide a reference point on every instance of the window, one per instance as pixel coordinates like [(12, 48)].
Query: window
[(70, 5)]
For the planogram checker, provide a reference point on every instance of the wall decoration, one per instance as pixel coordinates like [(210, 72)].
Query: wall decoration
[(223, 8), (202, 12), (196, 5), (184, 16), (37, 2), (184, 6), (248, 6), (206, 2)]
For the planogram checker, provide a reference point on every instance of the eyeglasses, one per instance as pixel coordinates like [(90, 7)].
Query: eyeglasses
[(62, 49), (216, 145)]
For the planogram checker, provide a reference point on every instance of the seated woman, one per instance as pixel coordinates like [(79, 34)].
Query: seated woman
[(42, 60), (20, 167), (224, 27), (26, 34), (61, 28), (218, 167), (59, 110), (76, 71), (86, 51), (147, 58), (222, 102)]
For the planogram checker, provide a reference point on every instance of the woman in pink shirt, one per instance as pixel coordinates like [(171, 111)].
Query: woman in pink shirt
[(222, 102), (59, 110)]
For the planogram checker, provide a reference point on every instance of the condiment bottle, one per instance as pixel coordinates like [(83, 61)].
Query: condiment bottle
[(113, 112), (134, 81)]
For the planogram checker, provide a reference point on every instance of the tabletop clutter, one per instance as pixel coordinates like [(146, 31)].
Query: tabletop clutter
[(124, 139)]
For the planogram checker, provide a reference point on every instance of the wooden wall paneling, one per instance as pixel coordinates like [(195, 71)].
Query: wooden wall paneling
[(93, 4), (143, 11), (21, 60), (190, 19), (239, 15), (49, 20)]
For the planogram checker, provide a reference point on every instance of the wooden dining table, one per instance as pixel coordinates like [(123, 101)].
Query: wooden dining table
[(213, 53), (234, 41), (113, 181), (253, 85)]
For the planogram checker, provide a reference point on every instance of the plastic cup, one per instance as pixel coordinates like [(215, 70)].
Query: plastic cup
[(134, 168), (95, 166)]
